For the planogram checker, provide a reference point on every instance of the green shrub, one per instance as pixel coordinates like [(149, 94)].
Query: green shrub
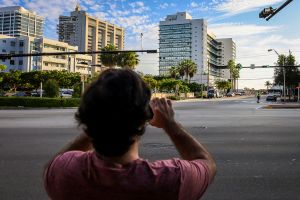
[(51, 88), (173, 97), (77, 90), (38, 102)]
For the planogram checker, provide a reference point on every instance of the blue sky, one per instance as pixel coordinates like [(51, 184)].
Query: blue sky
[(237, 19)]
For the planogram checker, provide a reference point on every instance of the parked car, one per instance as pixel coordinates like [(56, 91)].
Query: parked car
[(66, 94), (22, 94), (271, 97), (238, 93), (230, 94), (212, 93)]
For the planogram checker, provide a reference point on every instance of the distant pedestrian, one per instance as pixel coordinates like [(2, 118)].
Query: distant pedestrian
[(104, 163), (258, 96)]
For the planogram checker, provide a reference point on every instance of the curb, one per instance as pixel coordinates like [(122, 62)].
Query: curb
[(34, 108), (282, 106)]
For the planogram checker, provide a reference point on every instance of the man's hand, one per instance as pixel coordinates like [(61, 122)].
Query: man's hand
[(163, 113)]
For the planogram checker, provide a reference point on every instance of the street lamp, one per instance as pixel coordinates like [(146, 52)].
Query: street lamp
[(269, 50)]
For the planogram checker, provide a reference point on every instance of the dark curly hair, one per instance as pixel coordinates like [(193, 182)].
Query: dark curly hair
[(113, 111)]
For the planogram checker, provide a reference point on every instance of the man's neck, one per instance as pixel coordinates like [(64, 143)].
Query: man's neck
[(131, 155)]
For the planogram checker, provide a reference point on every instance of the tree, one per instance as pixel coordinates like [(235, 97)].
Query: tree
[(109, 59), (173, 72), (12, 79), (189, 68), (169, 85), (195, 87), (234, 72), (292, 73), (181, 71), (51, 88), (268, 84), (222, 85), (151, 82), (2, 67), (128, 60)]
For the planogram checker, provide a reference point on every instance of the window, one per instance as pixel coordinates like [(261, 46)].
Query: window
[(4, 41), (13, 43), (12, 62), (3, 50), (20, 62), (21, 44)]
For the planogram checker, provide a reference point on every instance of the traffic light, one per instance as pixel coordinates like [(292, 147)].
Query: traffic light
[(239, 66), (266, 12)]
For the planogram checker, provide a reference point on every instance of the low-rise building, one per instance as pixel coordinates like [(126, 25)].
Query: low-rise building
[(26, 44)]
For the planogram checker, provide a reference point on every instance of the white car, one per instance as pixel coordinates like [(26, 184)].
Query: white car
[(66, 94)]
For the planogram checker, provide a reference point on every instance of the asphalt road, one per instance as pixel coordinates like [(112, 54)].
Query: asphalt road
[(257, 151)]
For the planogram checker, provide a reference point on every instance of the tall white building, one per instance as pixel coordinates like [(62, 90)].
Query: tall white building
[(26, 44), (89, 33), (180, 38), (228, 53), (16, 21)]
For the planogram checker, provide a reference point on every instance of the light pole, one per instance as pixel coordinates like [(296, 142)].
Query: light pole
[(282, 71)]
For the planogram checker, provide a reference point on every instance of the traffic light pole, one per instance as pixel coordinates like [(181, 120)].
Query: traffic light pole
[(279, 9)]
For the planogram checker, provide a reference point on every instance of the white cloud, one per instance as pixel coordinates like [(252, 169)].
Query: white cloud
[(252, 44), (138, 7), (164, 5), (233, 7), (238, 29), (9, 3), (194, 4), (50, 9)]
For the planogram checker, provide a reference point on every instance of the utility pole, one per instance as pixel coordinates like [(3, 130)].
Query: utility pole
[(142, 41), (208, 65)]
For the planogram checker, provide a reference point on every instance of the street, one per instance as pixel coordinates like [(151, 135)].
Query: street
[(257, 150)]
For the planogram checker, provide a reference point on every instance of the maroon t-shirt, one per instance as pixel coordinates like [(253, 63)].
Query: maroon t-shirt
[(83, 175)]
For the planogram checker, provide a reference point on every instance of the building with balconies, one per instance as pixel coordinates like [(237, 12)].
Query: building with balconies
[(26, 44), (181, 37), (16, 21), (89, 33)]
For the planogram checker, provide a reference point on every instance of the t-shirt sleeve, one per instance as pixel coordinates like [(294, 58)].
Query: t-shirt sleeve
[(54, 173), (194, 179)]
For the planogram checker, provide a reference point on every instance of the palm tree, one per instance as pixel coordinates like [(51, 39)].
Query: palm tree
[(268, 84), (188, 68), (109, 59), (181, 71), (128, 60), (192, 72), (234, 72), (173, 72)]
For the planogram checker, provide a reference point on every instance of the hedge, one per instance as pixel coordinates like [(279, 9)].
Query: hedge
[(38, 102)]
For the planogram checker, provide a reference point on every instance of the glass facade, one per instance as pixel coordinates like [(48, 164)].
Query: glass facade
[(174, 45)]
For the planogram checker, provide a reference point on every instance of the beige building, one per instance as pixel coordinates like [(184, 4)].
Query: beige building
[(16, 21), (89, 33), (25, 44)]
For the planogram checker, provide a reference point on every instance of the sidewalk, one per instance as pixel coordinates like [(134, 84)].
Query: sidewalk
[(214, 99)]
